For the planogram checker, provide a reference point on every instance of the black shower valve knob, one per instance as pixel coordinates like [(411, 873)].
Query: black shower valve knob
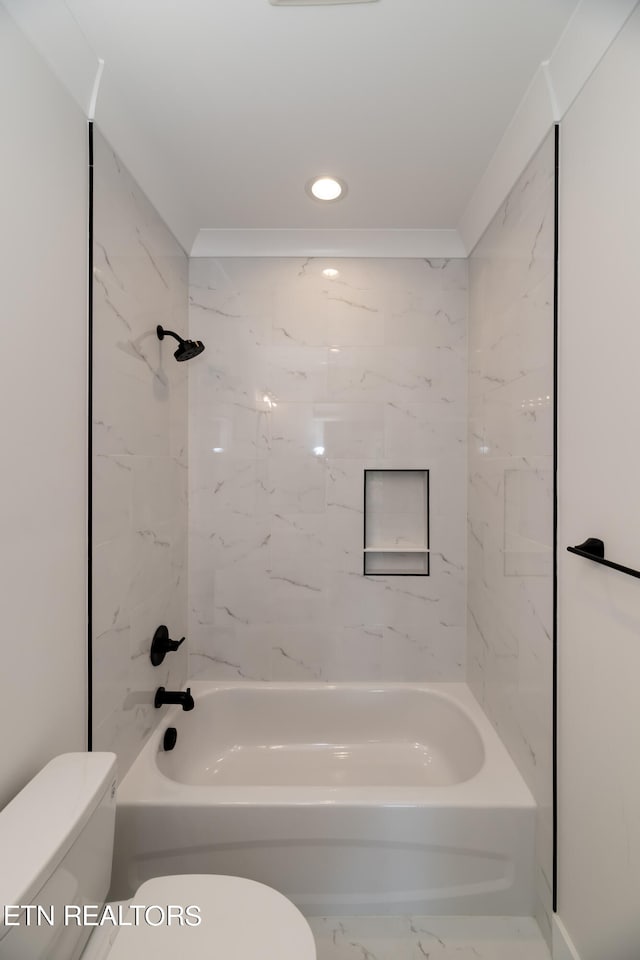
[(161, 645)]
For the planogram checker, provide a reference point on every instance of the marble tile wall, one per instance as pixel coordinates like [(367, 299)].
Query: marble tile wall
[(510, 508), (139, 458), (428, 938), (305, 382)]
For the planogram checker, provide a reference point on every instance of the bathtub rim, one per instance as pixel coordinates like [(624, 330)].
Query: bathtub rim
[(498, 783)]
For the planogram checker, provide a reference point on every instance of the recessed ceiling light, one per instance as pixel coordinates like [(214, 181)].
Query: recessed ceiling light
[(326, 189), (331, 273)]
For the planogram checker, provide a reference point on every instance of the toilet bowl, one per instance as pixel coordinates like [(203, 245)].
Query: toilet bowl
[(240, 920), (56, 839)]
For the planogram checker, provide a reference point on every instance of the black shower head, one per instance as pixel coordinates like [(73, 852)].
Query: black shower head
[(186, 348), (189, 349)]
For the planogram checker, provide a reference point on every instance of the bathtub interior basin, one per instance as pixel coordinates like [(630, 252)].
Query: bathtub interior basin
[(348, 798), (329, 736)]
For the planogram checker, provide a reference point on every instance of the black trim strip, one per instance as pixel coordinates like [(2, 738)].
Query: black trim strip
[(364, 524), (90, 455), (556, 234), (428, 472)]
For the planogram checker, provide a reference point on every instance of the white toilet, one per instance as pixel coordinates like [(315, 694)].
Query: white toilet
[(56, 845)]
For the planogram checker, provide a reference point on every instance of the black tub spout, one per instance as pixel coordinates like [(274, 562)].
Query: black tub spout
[(183, 697)]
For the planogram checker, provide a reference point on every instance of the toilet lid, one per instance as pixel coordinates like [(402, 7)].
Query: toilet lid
[(240, 920)]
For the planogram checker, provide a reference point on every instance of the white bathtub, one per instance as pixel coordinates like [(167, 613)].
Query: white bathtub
[(348, 798)]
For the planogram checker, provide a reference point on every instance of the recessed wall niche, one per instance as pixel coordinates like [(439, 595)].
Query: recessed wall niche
[(396, 523)]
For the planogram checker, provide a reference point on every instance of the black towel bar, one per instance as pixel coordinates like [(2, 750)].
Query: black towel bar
[(593, 549)]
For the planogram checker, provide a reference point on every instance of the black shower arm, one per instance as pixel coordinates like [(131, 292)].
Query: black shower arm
[(162, 333)]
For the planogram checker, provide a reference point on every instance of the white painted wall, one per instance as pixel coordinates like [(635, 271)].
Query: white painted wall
[(599, 614), (43, 252)]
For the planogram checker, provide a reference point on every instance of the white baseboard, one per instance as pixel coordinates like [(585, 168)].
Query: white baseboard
[(562, 947)]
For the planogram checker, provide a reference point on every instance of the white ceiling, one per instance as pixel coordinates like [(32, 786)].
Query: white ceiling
[(243, 101)]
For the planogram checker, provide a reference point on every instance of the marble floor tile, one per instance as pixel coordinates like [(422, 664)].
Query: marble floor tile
[(428, 938)]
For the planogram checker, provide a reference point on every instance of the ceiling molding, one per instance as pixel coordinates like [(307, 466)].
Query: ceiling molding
[(592, 29), (439, 244)]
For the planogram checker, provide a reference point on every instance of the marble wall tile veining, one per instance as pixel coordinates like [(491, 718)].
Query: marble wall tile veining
[(428, 938), (306, 383), (510, 496), (139, 458)]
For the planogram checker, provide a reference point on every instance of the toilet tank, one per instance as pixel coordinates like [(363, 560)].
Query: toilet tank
[(56, 848)]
